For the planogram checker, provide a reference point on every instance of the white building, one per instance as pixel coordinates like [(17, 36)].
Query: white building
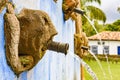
[(105, 42)]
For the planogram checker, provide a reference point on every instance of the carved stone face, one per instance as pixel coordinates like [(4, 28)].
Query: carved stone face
[(68, 6), (28, 35), (36, 29)]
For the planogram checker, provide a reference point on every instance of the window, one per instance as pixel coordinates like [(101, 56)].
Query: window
[(105, 49), (94, 49)]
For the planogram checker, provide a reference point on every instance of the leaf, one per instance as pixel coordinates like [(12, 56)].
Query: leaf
[(83, 2), (96, 13)]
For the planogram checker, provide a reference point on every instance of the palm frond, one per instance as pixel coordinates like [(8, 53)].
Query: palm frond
[(83, 2), (96, 13)]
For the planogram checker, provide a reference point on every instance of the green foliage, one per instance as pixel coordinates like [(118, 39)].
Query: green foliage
[(113, 27), (96, 13), (87, 28), (117, 23), (83, 2), (93, 12)]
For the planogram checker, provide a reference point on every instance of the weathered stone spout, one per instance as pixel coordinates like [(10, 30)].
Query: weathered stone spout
[(28, 35), (70, 9), (84, 47), (79, 11), (68, 6), (59, 47)]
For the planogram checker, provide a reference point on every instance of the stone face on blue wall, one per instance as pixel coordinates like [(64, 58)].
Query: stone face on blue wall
[(53, 66)]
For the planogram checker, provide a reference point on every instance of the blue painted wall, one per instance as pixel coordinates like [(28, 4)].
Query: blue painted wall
[(53, 66)]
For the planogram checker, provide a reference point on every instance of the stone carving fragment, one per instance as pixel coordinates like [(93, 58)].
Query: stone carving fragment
[(2, 4), (28, 35)]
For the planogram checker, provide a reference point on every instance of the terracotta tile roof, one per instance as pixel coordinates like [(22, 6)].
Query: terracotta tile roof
[(106, 35)]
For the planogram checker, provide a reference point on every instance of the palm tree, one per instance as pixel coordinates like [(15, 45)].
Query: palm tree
[(93, 12)]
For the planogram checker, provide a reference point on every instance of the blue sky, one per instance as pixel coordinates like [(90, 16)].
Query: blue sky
[(110, 9)]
